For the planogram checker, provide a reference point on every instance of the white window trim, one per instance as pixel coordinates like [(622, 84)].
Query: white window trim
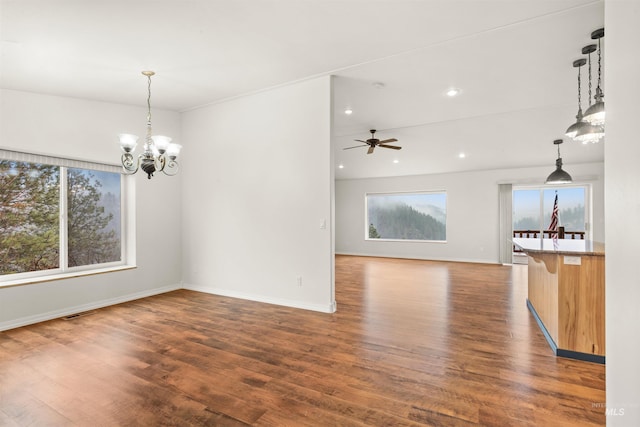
[(391, 193)]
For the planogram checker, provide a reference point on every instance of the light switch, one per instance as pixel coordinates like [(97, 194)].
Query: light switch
[(323, 224)]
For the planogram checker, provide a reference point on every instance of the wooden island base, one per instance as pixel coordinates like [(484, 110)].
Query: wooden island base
[(566, 295)]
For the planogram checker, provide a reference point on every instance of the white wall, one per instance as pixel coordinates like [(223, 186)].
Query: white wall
[(622, 173), (256, 191), (88, 130), (472, 211)]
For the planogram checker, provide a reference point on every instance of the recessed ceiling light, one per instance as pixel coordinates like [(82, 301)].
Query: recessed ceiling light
[(462, 155), (341, 166), (348, 111), (378, 85), (396, 161), (453, 92)]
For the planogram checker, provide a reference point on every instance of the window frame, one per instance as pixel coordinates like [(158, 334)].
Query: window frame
[(588, 204), (127, 217), (393, 193)]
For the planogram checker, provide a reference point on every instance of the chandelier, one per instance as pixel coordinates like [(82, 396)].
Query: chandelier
[(159, 153)]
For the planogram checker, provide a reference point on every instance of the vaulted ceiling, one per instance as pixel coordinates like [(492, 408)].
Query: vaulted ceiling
[(393, 62)]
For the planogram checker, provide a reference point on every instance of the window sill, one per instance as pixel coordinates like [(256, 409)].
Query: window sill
[(369, 239), (62, 276)]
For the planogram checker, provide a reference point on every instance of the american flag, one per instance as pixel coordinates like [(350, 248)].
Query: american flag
[(554, 219)]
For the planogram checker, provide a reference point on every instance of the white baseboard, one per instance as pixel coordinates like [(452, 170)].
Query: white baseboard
[(42, 317), (329, 308)]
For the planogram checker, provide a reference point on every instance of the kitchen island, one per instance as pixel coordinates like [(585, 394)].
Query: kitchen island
[(566, 294)]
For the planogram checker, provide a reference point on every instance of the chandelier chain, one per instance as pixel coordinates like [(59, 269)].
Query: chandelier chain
[(149, 101)]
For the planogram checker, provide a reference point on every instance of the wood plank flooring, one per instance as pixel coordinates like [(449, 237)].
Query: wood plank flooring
[(412, 343)]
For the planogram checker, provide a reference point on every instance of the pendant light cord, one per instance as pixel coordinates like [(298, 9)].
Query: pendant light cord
[(599, 65), (579, 90), (589, 79)]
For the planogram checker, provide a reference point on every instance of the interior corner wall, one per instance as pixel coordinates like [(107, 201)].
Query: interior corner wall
[(622, 174), (257, 202), (87, 130), (472, 211)]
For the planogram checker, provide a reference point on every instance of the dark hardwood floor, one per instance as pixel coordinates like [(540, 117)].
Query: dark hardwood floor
[(412, 343)]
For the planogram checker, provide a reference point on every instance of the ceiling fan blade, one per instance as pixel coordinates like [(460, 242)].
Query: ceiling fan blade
[(388, 140), (393, 147), (371, 149), (357, 146), (359, 140)]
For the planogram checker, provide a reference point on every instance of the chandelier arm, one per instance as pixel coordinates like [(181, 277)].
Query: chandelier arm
[(128, 164), (171, 167), (162, 161)]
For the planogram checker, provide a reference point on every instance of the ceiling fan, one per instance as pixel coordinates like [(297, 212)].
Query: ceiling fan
[(373, 142)]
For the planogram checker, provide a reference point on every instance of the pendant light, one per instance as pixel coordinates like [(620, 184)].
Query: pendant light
[(588, 132), (558, 176), (595, 113), (573, 129)]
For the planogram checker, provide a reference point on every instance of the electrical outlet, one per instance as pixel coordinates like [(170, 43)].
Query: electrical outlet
[(299, 280), (572, 260)]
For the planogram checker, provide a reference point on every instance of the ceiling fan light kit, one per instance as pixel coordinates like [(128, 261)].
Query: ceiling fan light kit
[(373, 142)]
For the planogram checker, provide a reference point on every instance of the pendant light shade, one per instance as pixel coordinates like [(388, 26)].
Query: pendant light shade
[(595, 113), (589, 133), (558, 176)]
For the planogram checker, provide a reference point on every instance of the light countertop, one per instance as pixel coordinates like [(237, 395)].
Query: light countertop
[(560, 246)]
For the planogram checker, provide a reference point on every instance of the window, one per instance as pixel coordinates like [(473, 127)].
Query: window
[(418, 216), (29, 217), (56, 218), (532, 208), (93, 217)]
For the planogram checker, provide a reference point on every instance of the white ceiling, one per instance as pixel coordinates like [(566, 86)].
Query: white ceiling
[(511, 59)]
